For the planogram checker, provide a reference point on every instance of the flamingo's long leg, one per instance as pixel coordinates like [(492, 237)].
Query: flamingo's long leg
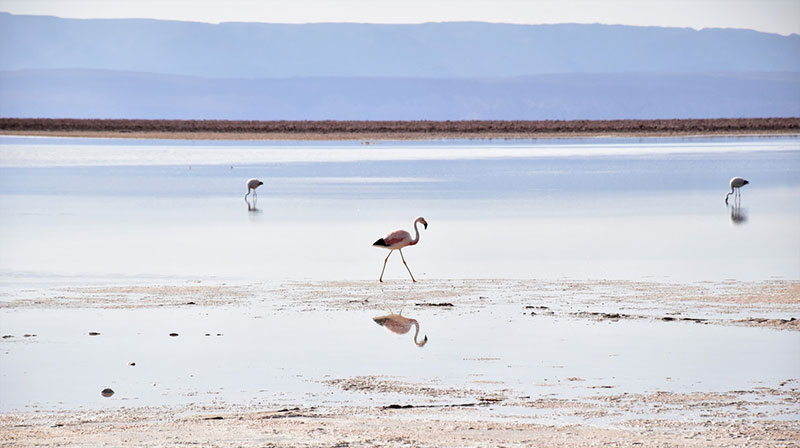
[(384, 264), (404, 262)]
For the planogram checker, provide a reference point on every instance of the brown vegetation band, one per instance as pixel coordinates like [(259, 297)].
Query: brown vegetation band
[(467, 127)]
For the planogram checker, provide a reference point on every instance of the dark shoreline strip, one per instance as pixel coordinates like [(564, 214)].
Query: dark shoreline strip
[(455, 128)]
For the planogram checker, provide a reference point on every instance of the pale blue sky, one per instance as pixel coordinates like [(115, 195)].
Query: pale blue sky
[(775, 16)]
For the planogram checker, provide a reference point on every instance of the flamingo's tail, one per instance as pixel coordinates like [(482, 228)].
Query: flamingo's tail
[(380, 243)]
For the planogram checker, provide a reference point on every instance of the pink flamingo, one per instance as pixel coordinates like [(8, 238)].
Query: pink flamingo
[(736, 183), (398, 240), (252, 184), (400, 325)]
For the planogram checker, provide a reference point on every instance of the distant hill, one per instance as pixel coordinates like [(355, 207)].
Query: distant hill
[(432, 50), (115, 68), (107, 94)]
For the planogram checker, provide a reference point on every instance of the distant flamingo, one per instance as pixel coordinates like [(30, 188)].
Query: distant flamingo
[(736, 184), (252, 184), (400, 325), (398, 240)]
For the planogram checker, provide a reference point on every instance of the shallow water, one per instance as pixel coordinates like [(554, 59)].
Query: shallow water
[(87, 212), (626, 209), (260, 355)]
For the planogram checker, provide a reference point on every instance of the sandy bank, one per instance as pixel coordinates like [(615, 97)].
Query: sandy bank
[(584, 407), (354, 427)]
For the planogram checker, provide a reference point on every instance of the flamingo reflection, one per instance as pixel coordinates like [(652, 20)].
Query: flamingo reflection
[(400, 325), (738, 214), (252, 207)]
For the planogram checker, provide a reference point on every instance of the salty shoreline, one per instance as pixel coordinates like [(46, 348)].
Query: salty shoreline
[(369, 410)]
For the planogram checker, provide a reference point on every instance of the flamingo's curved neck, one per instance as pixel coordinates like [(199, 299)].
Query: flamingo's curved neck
[(416, 333), (726, 196), (416, 234)]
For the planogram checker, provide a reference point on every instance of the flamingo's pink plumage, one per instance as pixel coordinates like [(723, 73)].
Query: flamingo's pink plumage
[(397, 240)]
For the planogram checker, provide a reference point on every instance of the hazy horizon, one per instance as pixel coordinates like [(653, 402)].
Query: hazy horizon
[(772, 16)]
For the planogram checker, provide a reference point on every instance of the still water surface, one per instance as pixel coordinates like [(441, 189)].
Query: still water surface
[(78, 212), (626, 209)]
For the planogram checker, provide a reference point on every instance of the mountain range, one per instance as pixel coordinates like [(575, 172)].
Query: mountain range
[(139, 68)]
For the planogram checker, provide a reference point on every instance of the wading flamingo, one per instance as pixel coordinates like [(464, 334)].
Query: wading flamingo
[(252, 184), (400, 325), (398, 240), (736, 184)]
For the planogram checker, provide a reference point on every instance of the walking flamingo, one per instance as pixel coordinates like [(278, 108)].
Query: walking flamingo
[(736, 184), (252, 184), (400, 325), (397, 240)]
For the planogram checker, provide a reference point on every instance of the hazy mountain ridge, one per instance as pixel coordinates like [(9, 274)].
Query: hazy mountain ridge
[(109, 94), (139, 68), (431, 50)]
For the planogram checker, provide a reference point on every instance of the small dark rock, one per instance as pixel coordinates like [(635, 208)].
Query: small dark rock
[(173, 334), (131, 363), (107, 392), (94, 333), (667, 318), (191, 303)]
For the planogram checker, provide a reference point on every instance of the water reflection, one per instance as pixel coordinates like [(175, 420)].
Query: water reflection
[(251, 207), (738, 214), (400, 325)]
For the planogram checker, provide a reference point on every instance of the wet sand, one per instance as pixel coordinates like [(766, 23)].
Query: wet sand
[(438, 427), (573, 409)]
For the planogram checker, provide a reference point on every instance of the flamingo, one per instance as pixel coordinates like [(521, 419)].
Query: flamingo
[(398, 240), (252, 184), (400, 325), (736, 184)]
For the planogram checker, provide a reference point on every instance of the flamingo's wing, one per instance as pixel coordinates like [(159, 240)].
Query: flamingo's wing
[(398, 236)]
